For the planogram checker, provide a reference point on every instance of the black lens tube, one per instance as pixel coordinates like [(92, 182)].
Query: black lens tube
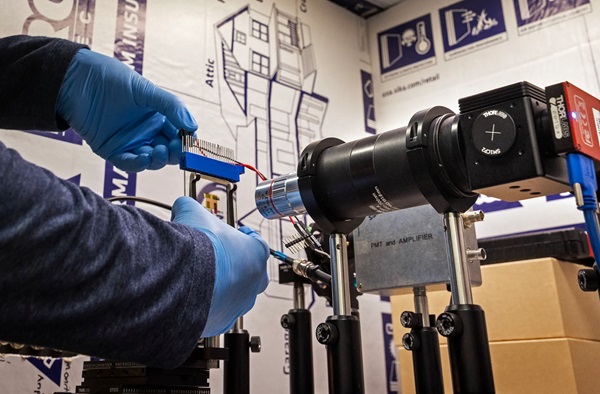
[(339, 183)]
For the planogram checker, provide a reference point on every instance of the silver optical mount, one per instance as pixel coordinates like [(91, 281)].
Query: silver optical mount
[(279, 197)]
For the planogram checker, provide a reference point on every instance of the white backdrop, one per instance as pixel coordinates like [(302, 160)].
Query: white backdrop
[(187, 47), (420, 53)]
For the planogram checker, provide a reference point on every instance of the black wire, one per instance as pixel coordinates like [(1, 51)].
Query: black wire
[(140, 199), (313, 274), (281, 257), (322, 276)]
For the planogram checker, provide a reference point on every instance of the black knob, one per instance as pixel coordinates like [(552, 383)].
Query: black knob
[(409, 319), (588, 279), (326, 333), (255, 344), (410, 342), (287, 321), (448, 324)]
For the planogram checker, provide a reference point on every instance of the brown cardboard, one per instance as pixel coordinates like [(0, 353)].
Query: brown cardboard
[(549, 366), (531, 299)]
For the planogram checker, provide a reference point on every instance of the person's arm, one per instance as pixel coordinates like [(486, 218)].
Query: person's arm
[(80, 274), (31, 74), (51, 84)]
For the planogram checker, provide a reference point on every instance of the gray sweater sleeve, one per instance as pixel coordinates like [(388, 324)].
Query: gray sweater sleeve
[(31, 73), (80, 274)]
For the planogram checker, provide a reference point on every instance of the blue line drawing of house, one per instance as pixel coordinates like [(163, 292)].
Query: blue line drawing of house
[(268, 66)]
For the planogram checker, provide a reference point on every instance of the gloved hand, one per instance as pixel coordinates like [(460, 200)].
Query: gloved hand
[(123, 117), (241, 264)]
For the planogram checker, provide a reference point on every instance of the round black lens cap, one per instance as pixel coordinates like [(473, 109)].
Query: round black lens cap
[(494, 132)]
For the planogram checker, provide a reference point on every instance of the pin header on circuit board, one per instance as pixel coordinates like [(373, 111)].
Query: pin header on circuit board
[(209, 159)]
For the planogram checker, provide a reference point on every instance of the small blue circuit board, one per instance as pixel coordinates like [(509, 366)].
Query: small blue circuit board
[(212, 167)]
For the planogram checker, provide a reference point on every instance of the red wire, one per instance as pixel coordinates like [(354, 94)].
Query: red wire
[(262, 178), (260, 175)]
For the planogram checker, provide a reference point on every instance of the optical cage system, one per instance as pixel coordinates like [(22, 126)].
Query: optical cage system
[(509, 143)]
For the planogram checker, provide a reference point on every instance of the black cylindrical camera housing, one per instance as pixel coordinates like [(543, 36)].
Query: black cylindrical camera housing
[(301, 359), (469, 351), (368, 176), (342, 182)]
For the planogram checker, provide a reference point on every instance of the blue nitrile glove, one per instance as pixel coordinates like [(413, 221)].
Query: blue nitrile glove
[(123, 117), (241, 264)]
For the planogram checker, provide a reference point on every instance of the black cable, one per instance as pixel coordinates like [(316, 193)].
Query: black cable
[(313, 273), (141, 199), (320, 275), (281, 256)]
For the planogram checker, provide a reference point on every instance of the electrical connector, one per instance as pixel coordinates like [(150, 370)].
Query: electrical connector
[(582, 178), (303, 239), (209, 159), (303, 267), (311, 271)]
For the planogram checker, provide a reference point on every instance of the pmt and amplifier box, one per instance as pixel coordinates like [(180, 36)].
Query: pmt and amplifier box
[(405, 248)]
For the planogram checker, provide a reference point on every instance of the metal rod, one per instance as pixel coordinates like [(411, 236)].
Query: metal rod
[(232, 221), (184, 149), (193, 179), (460, 280), (299, 296), (239, 324), (190, 190), (340, 281), (231, 211), (421, 305), (212, 341)]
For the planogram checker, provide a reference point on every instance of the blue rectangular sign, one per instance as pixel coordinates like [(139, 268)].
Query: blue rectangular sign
[(405, 47), (531, 14), (368, 101)]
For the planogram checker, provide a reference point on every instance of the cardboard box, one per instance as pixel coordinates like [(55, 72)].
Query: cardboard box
[(533, 299), (549, 366)]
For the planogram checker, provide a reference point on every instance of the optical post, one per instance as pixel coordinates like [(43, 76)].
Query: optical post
[(214, 163), (424, 344), (298, 320), (298, 323)]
